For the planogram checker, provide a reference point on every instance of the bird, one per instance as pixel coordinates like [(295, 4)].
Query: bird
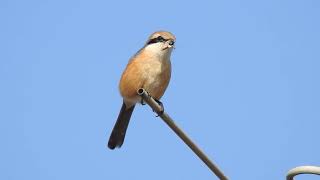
[(150, 69)]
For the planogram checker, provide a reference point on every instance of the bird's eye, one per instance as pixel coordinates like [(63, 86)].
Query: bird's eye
[(160, 39)]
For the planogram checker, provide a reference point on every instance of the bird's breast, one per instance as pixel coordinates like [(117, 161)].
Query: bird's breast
[(149, 72), (157, 78)]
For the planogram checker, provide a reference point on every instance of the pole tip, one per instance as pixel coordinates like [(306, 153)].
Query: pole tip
[(140, 91)]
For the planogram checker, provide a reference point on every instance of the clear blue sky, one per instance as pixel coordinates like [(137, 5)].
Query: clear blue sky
[(245, 87)]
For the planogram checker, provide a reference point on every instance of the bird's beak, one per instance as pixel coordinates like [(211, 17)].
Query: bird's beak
[(171, 44)]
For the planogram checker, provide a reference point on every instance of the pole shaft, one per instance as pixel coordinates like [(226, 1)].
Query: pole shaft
[(167, 119)]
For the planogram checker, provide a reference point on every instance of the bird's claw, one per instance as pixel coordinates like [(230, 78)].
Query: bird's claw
[(160, 104), (142, 102), (162, 108)]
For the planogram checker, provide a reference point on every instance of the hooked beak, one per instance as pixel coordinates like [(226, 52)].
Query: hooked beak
[(170, 45)]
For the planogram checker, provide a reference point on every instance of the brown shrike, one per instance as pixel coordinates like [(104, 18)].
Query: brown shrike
[(150, 69)]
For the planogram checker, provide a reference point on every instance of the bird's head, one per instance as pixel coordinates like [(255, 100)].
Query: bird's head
[(161, 41)]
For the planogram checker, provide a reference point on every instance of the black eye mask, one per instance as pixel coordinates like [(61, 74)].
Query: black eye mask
[(157, 39)]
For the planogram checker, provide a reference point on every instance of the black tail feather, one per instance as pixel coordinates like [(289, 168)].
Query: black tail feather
[(119, 130)]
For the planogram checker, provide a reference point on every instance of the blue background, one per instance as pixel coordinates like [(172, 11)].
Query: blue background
[(245, 87)]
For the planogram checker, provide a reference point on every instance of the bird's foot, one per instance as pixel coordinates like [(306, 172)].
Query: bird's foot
[(142, 102), (162, 107)]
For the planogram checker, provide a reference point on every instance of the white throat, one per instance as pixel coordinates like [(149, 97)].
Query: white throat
[(158, 50)]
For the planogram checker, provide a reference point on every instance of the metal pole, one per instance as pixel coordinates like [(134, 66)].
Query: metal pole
[(303, 170), (166, 118)]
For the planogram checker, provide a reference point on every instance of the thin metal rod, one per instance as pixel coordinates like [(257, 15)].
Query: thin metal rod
[(166, 118), (303, 170)]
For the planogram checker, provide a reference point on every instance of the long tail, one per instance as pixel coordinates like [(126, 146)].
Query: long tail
[(119, 130)]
